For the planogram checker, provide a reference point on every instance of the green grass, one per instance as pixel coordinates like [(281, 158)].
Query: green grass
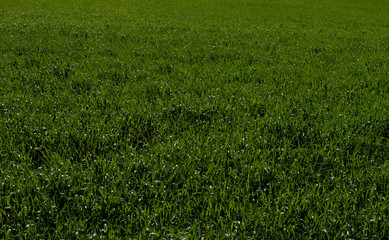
[(194, 119)]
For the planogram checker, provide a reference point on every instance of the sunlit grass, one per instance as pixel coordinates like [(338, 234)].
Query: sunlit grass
[(215, 119)]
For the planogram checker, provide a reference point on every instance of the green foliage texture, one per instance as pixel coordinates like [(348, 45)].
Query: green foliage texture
[(215, 119)]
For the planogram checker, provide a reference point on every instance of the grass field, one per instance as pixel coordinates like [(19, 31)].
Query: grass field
[(216, 119)]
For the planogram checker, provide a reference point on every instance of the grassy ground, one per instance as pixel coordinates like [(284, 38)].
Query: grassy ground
[(217, 119)]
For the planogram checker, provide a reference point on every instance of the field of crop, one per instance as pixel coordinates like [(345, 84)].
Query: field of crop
[(165, 119)]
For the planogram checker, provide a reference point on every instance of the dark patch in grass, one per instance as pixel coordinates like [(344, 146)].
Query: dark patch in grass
[(81, 86), (138, 131), (62, 73), (116, 76)]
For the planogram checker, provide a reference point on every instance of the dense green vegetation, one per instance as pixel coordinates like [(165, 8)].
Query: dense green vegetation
[(185, 118)]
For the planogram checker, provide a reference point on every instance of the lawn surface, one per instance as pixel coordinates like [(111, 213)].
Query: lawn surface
[(187, 119)]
